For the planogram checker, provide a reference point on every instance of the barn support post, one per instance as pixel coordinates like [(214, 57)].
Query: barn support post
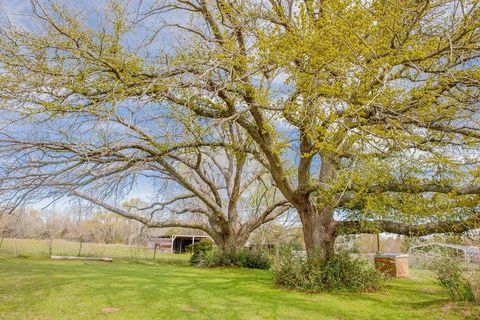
[(193, 242), (155, 251), (173, 240)]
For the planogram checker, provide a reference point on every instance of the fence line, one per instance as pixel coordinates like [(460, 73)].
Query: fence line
[(40, 248)]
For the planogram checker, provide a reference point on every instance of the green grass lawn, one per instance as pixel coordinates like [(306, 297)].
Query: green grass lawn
[(35, 288)]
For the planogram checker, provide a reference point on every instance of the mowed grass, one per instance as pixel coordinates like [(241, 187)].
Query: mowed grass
[(35, 288)]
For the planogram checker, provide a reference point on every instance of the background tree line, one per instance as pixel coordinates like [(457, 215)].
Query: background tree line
[(99, 227)]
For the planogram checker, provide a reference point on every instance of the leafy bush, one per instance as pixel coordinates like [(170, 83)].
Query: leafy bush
[(206, 255), (449, 274), (474, 282), (341, 272), (199, 252), (245, 258), (254, 259), (219, 258)]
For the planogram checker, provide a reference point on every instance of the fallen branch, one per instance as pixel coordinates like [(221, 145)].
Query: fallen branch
[(104, 259)]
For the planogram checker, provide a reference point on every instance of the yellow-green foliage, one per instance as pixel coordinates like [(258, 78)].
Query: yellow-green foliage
[(385, 92)]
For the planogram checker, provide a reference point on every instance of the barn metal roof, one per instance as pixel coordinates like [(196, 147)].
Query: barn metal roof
[(179, 235)]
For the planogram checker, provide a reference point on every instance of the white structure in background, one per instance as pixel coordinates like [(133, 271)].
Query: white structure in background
[(471, 253)]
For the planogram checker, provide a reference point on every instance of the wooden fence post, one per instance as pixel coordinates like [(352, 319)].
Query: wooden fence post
[(50, 247), (80, 249)]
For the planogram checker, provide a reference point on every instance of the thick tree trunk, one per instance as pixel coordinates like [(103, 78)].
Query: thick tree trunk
[(318, 223), (232, 243), (319, 234)]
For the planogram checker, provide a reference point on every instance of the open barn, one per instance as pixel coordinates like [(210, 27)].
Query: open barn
[(175, 243)]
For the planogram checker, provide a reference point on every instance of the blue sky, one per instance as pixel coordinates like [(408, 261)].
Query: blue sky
[(19, 13)]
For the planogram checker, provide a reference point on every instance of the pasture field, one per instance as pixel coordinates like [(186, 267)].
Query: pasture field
[(41, 289), (40, 248)]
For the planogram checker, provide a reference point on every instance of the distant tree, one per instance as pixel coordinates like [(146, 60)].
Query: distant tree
[(53, 229), (23, 223), (4, 228)]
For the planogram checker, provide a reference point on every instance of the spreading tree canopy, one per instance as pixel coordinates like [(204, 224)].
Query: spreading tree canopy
[(364, 113)]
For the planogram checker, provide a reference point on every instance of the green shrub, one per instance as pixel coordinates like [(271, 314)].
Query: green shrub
[(245, 258), (199, 252), (449, 275), (474, 282), (341, 272), (206, 255), (219, 258), (253, 258)]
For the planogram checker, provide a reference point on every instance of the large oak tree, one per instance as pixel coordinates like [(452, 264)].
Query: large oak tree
[(364, 113)]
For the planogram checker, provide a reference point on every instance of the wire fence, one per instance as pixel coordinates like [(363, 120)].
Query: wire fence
[(59, 247)]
